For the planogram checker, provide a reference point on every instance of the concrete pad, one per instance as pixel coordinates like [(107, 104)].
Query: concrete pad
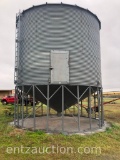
[(55, 124)]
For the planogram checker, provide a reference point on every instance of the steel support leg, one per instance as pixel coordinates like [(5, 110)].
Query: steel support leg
[(34, 125), (78, 96), (47, 125), (62, 108), (98, 94), (90, 120), (17, 109), (15, 106), (88, 106), (81, 109), (22, 105), (102, 109), (95, 105)]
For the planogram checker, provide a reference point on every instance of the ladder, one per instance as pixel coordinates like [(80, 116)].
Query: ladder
[(17, 47)]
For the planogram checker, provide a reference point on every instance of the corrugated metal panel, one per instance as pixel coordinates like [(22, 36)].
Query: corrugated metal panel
[(59, 27)]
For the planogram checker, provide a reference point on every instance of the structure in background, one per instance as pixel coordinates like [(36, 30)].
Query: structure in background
[(5, 92), (57, 61)]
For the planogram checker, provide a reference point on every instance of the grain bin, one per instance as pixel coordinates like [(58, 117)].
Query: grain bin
[(58, 52)]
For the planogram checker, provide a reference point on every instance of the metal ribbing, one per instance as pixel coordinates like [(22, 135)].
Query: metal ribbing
[(59, 27)]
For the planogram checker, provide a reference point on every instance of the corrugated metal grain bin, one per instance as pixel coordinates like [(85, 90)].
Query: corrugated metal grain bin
[(58, 44)]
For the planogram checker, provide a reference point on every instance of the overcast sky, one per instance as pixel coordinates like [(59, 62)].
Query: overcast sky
[(108, 11)]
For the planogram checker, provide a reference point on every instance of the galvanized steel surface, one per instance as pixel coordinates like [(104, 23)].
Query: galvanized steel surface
[(59, 67), (59, 27)]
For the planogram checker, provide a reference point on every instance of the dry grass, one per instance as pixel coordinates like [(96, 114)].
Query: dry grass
[(111, 93), (112, 113), (17, 132), (108, 141)]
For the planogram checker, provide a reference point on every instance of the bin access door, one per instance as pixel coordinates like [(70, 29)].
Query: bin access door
[(59, 67)]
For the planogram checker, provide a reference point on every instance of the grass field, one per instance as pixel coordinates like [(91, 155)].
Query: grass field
[(14, 143)]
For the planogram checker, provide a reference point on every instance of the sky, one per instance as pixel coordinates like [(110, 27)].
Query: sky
[(108, 11)]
